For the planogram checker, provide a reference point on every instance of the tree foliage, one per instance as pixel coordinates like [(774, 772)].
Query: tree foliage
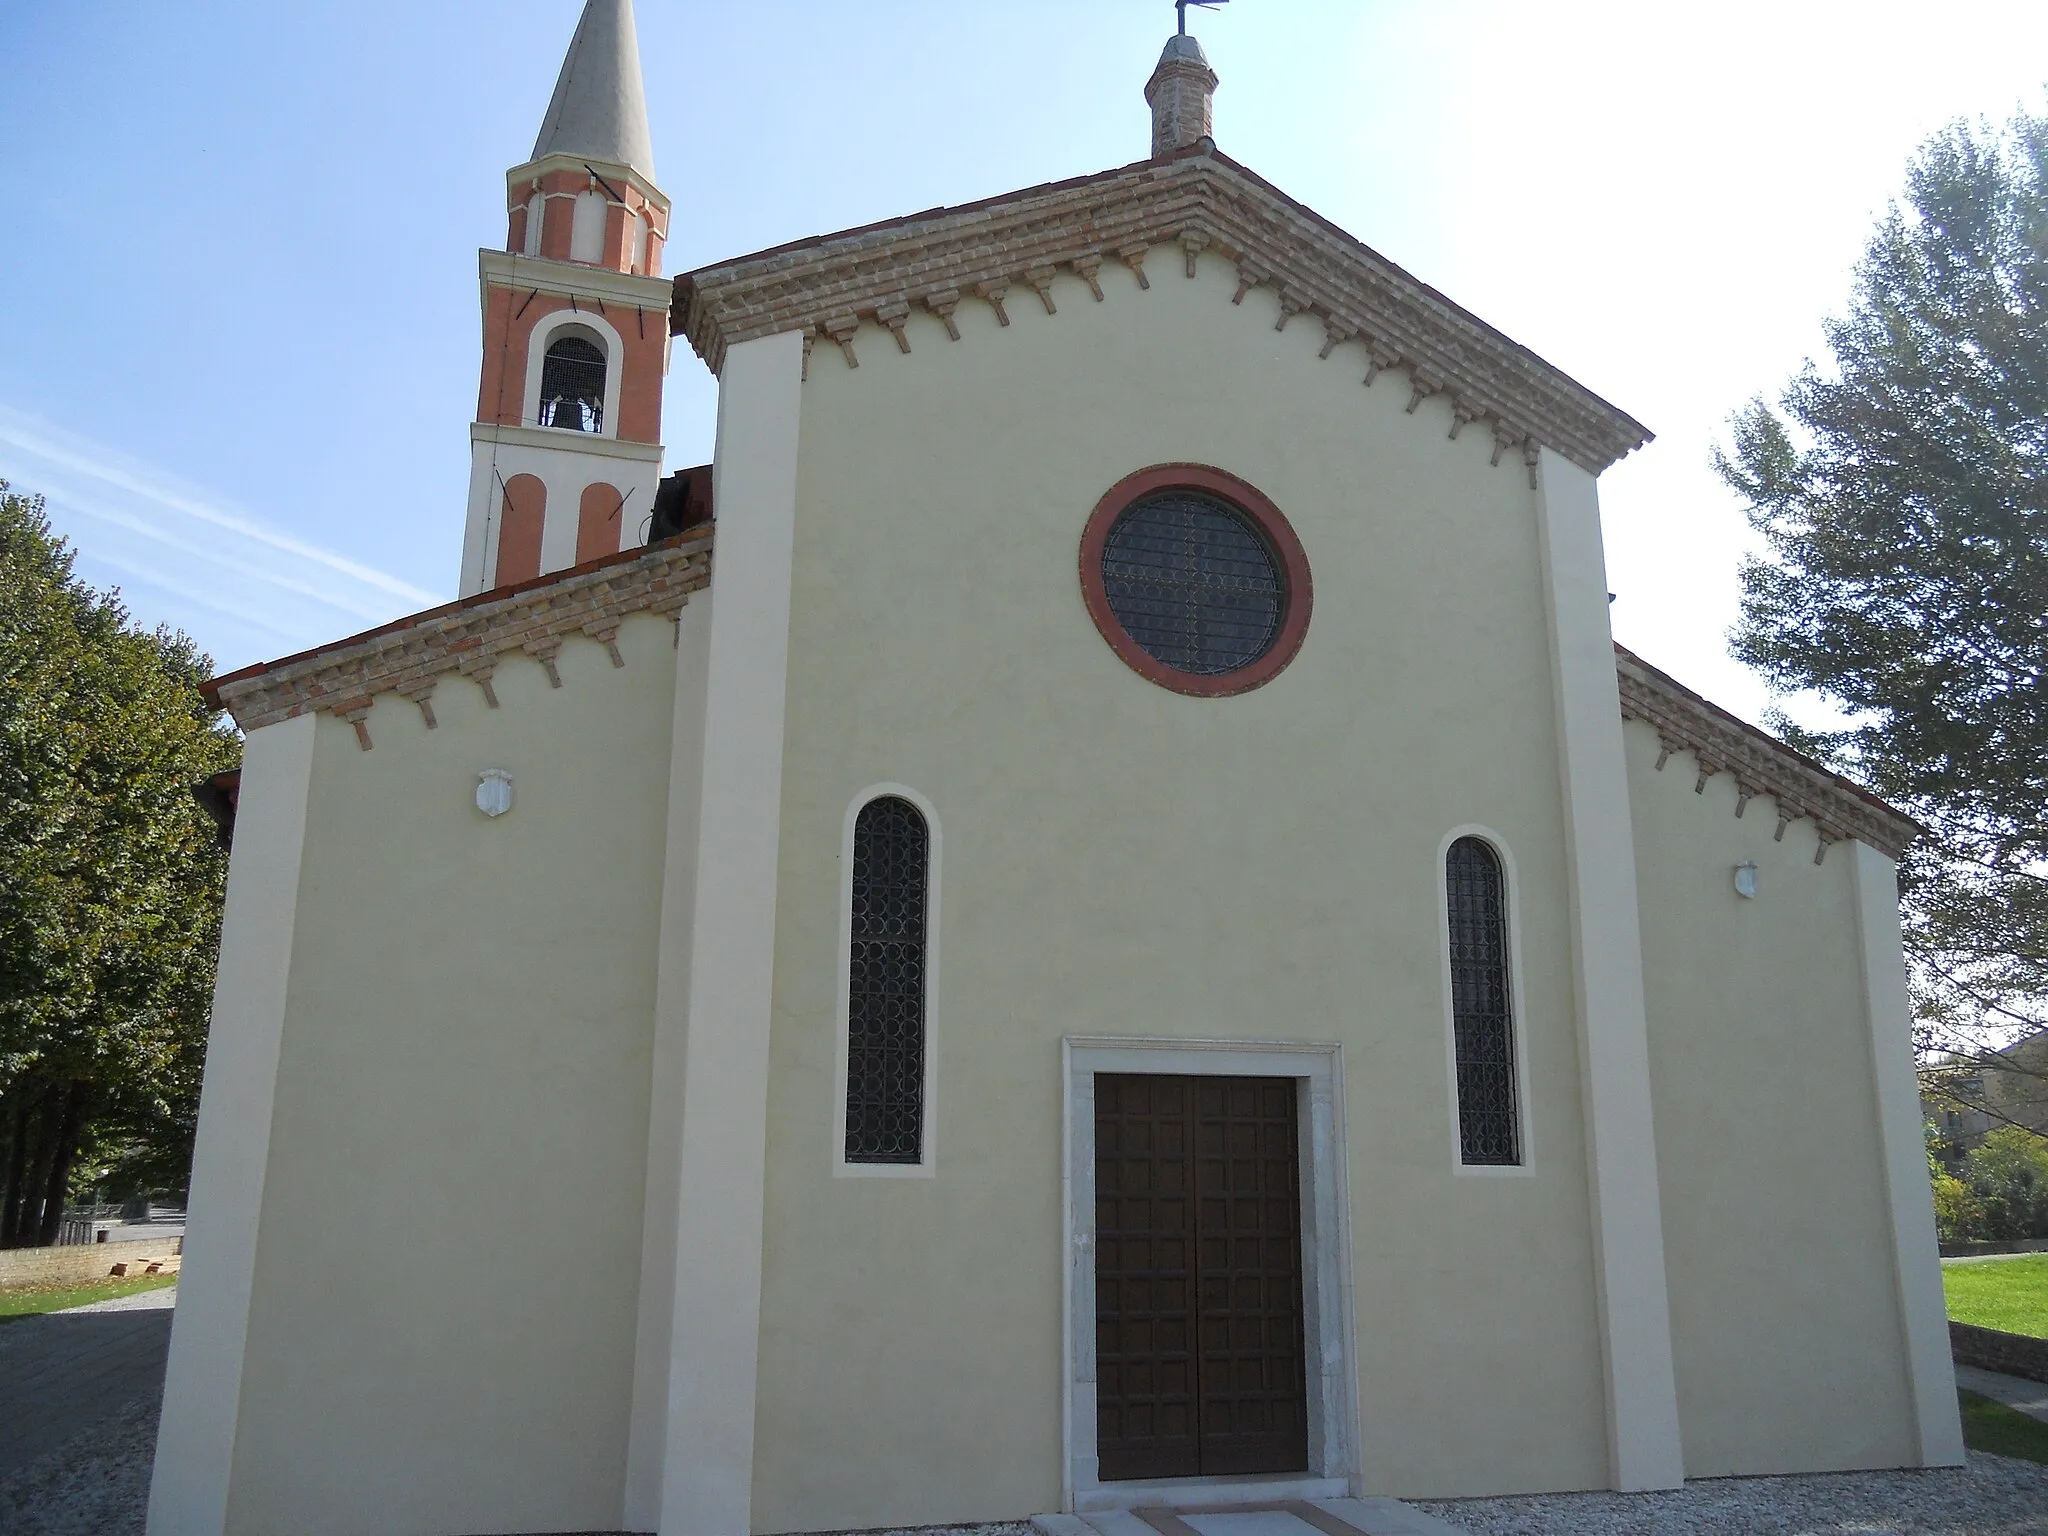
[(1903, 499), (1995, 1192), (114, 875), (1958, 1214), (2008, 1175)]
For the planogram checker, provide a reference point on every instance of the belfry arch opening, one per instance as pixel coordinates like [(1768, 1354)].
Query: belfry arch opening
[(572, 379)]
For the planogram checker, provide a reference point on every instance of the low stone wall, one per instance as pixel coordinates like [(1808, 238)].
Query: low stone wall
[(1977, 1250), (1989, 1350), (78, 1263)]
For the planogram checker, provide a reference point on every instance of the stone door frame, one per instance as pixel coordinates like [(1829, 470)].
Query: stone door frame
[(1329, 1352)]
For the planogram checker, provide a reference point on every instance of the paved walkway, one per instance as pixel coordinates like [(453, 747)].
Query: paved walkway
[(144, 1232), (2029, 1397), (1988, 1258), (64, 1372)]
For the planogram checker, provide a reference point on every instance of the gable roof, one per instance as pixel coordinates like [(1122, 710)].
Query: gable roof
[(1193, 201), (1763, 765), (410, 656)]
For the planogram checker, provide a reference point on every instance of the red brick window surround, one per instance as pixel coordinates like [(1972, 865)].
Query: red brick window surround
[(1266, 556)]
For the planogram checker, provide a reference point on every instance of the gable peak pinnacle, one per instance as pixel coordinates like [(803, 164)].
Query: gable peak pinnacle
[(1179, 94)]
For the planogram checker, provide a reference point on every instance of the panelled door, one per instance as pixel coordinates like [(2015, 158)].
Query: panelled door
[(1198, 1312)]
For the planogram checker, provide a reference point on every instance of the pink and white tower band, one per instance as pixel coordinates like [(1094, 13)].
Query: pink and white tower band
[(565, 452)]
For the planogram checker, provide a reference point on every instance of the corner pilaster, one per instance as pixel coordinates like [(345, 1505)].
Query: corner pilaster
[(188, 1494), (708, 1460), (1923, 1311), (1644, 1446), (653, 1332)]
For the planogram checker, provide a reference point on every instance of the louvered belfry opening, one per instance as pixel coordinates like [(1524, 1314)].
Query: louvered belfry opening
[(572, 385), (886, 984), (1194, 583), (1198, 1301), (1482, 1018)]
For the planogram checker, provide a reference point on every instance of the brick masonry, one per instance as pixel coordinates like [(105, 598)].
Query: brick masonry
[(1977, 1250), (1762, 765), (1179, 94), (411, 657), (77, 1263), (1989, 1350)]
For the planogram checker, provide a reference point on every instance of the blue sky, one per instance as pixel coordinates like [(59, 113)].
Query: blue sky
[(239, 276)]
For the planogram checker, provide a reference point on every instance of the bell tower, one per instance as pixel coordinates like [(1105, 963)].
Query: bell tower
[(565, 452)]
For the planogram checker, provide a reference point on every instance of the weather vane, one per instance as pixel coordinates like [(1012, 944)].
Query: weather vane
[(1182, 7)]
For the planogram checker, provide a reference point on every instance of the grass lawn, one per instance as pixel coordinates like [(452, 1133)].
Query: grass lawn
[(1991, 1426), (2010, 1295), (27, 1300)]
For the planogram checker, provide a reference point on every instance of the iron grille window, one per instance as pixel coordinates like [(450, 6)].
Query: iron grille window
[(1482, 1018), (886, 984), (1193, 583), (572, 386)]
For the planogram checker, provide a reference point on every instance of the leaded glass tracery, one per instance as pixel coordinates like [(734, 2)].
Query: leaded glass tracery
[(886, 984), (1193, 583), (1482, 1017)]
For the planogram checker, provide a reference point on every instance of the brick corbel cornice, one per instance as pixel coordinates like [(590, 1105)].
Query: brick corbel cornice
[(469, 639), (1762, 765), (1201, 201)]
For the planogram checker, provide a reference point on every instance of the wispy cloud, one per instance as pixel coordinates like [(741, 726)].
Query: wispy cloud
[(203, 555), (197, 598), (371, 606)]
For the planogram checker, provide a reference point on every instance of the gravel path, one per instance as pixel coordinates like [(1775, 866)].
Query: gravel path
[(1993, 1496), (91, 1476), (96, 1483), (162, 1299), (64, 1373)]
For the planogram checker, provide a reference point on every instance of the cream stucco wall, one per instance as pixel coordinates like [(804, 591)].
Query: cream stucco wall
[(442, 1320), (1121, 860), (1785, 1306), (484, 1269), (189, 1478)]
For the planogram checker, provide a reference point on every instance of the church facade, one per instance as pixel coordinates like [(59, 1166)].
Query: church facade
[(1089, 918)]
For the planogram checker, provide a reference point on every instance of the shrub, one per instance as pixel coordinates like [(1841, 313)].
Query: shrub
[(1958, 1213), (2008, 1174)]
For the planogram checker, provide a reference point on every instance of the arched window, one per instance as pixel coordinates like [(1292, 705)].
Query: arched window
[(572, 385), (1482, 1011), (886, 983)]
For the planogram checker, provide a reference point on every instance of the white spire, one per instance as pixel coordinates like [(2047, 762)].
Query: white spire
[(599, 109)]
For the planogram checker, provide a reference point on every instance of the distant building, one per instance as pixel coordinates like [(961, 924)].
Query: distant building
[(1093, 919), (1968, 1097)]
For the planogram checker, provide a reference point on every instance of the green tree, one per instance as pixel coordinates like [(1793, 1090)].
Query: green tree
[(1903, 498), (2008, 1175), (110, 902), (1958, 1214)]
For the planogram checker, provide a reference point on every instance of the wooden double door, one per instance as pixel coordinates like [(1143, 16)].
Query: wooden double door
[(1198, 1309)]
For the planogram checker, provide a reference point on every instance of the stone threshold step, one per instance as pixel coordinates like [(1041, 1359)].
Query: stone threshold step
[(1269, 1517)]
